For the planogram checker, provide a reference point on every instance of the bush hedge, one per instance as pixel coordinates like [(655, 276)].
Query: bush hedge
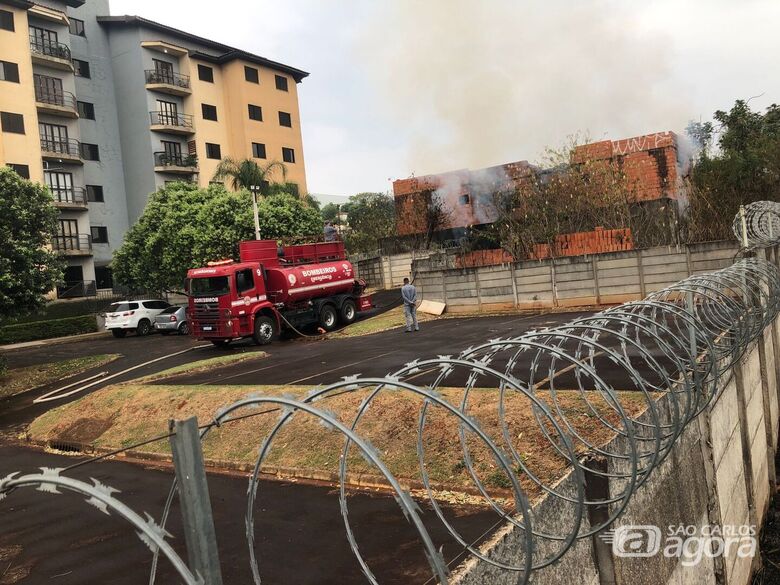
[(47, 329), (3, 366)]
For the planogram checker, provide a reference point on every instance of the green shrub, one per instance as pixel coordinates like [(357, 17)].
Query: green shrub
[(3, 366), (47, 329)]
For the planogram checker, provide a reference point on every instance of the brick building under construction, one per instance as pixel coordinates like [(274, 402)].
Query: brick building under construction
[(651, 163)]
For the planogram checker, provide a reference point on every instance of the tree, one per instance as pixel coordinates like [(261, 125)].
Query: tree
[(28, 267), (184, 226), (246, 173), (745, 168), (562, 198), (329, 212), (371, 216)]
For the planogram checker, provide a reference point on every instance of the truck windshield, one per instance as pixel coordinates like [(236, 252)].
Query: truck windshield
[(211, 286)]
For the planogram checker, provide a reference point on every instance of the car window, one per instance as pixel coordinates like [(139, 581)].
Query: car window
[(244, 280), (155, 304), (170, 310), (121, 307)]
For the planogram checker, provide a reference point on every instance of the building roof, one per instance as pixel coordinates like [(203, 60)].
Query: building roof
[(225, 52)]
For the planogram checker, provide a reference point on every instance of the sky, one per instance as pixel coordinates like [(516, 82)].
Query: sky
[(403, 87)]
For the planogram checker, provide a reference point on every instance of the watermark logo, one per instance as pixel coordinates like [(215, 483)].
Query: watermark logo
[(688, 543)]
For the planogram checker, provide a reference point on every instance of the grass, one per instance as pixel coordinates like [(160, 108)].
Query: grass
[(122, 415), (203, 365), (391, 319), (19, 380)]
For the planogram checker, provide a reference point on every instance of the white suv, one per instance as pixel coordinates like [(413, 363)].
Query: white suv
[(124, 316)]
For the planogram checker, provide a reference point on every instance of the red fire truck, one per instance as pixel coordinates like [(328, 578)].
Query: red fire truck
[(273, 288)]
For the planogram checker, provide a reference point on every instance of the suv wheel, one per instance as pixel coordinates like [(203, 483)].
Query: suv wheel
[(143, 328), (264, 330), (328, 317)]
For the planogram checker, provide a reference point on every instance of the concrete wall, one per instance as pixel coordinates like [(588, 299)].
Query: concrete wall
[(719, 473), (610, 278)]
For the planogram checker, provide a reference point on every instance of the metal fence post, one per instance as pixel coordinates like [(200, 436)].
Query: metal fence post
[(199, 533)]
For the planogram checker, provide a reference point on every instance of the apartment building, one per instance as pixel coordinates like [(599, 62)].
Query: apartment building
[(106, 109)]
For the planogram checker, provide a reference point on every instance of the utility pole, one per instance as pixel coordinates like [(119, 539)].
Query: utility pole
[(255, 189)]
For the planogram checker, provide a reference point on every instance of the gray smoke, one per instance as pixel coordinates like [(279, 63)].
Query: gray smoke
[(474, 84)]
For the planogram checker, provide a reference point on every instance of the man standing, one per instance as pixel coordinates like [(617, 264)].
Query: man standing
[(409, 296), (330, 232)]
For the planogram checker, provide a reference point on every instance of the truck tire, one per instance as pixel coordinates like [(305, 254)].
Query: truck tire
[(144, 327), (348, 312), (264, 330), (328, 317), (119, 333)]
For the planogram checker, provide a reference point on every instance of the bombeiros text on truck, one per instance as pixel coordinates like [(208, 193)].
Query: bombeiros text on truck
[(272, 288)]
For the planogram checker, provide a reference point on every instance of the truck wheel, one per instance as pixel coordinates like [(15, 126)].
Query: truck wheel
[(144, 327), (328, 317), (119, 333), (348, 312), (264, 330)]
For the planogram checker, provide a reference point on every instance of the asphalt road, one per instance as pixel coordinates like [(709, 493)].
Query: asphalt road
[(300, 537)]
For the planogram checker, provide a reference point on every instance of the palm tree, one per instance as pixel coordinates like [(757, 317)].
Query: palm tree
[(247, 174)]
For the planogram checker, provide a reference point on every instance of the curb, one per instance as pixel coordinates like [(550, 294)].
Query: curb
[(268, 472), (53, 341)]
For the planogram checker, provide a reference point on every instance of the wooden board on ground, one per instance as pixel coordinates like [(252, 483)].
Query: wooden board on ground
[(432, 307)]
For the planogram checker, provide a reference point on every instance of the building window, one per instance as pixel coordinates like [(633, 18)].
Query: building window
[(213, 150), (95, 193), (6, 20), (103, 277), (285, 119), (76, 27), (209, 112), (281, 83), (21, 170), (13, 123), (251, 74), (81, 68), (99, 234), (205, 73), (255, 113), (258, 150), (89, 151), (288, 155), (9, 71), (86, 110), (464, 199)]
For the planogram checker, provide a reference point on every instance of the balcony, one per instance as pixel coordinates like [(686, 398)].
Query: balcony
[(73, 245), (73, 289), (56, 103), (50, 54), (69, 197), (168, 82), (61, 150), (180, 164), (171, 123)]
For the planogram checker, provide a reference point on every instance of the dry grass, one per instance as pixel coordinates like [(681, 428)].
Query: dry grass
[(20, 380), (122, 415)]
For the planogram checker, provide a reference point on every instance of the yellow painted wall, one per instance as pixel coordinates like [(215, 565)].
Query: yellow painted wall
[(234, 131), (19, 98)]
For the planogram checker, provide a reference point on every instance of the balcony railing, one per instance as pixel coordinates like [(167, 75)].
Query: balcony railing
[(166, 159), (72, 243), (49, 48), (65, 147), (64, 99), (171, 119), (76, 196), (168, 78)]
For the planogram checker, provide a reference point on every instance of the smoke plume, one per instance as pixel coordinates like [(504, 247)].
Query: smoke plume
[(474, 84)]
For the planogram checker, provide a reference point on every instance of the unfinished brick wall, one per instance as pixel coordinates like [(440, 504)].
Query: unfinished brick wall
[(649, 162)]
